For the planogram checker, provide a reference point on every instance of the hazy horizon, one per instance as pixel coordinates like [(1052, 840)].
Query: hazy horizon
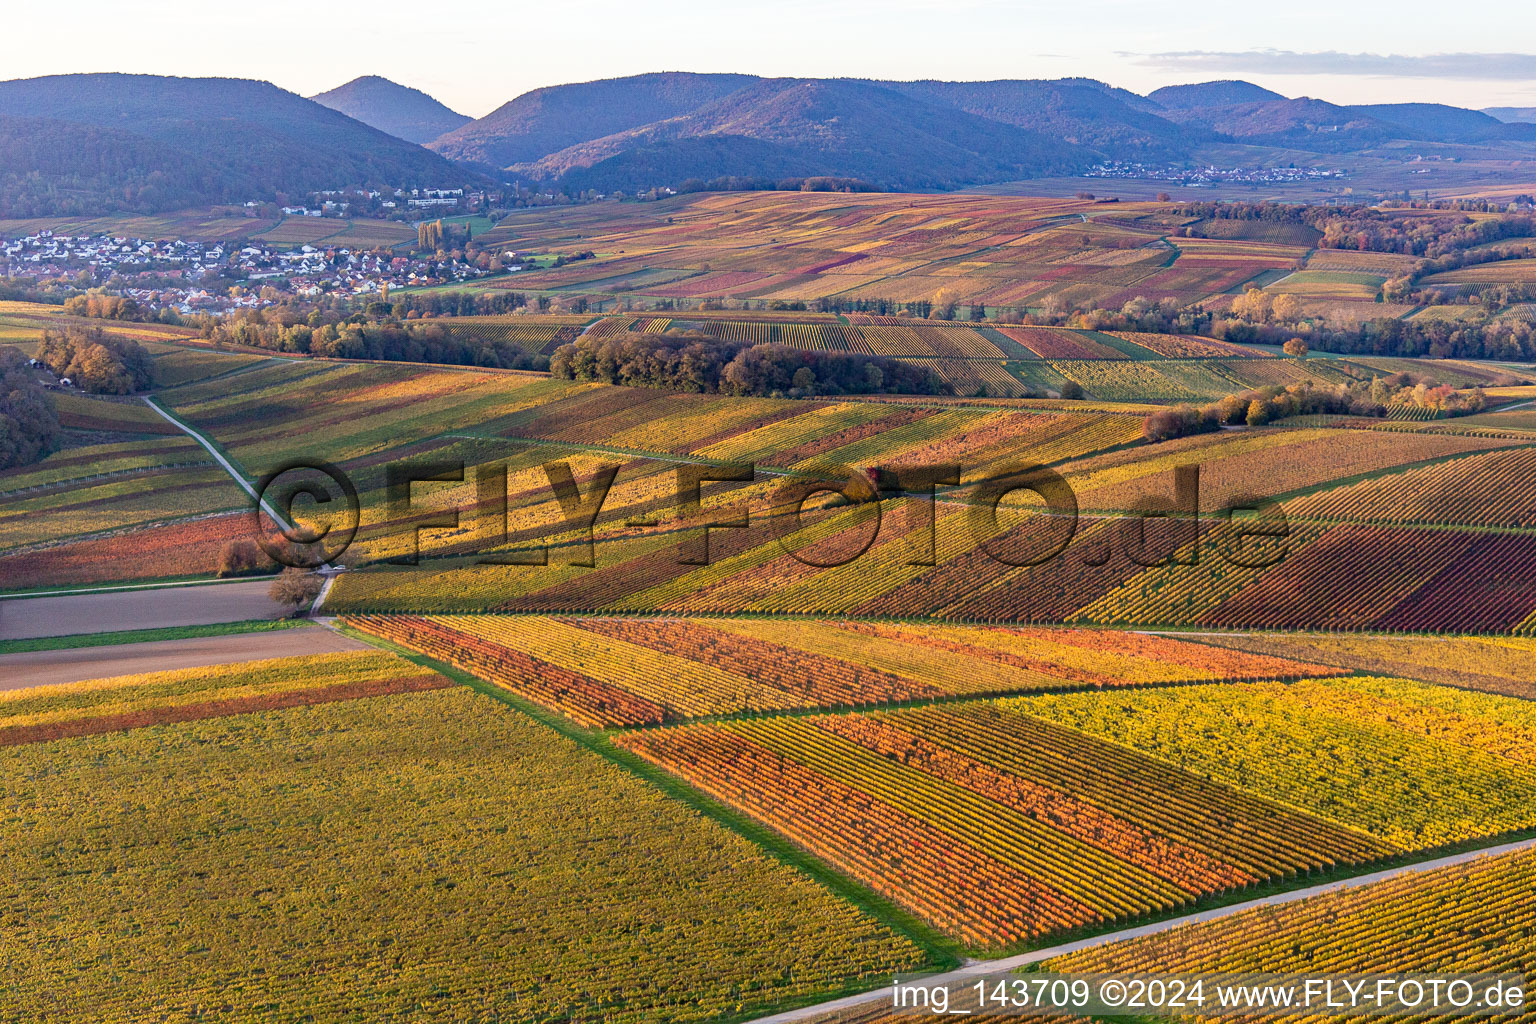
[(483, 55)]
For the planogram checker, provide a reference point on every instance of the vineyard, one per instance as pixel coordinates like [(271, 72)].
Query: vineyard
[(1395, 580), (102, 488), (1059, 343), (696, 752), (626, 672), (1124, 381), (1411, 764), (1470, 918), (1517, 271), (1369, 545), (77, 412), (997, 250), (183, 548), (1505, 665), (122, 703), (1479, 490), (997, 827), (529, 333), (424, 834), (1179, 346), (1371, 577)]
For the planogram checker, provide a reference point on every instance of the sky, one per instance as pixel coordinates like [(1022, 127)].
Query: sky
[(475, 55)]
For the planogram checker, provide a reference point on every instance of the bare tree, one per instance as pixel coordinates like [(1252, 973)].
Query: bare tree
[(295, 588)]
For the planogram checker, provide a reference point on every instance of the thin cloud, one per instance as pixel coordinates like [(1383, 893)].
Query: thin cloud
[(1465, 66)]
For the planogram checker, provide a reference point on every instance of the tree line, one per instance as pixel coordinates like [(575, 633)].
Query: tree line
[(29, 423), (1266, 405), (682, 361), (1442, 229), (359, 338)]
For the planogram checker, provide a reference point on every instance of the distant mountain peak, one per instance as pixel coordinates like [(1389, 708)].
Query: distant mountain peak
[(89, 143), (1512, 115), (1225, 93), (399, 110), (545, 121)]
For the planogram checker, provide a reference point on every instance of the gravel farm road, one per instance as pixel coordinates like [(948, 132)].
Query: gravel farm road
[(108, 611)]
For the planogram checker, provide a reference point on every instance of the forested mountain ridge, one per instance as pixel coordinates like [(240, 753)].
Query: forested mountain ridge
[(94, 143), (85, 144), (641, 132)]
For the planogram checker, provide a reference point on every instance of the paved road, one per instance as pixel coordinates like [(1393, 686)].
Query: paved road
[(136, 609), (41, 668), (984, 967)]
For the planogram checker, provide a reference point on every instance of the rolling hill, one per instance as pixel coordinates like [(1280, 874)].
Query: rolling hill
[(89, 143), (814, 127), (405, 113), (93, 143), (1292, 123), (664, 129), (1206, 95), (1441, 123), (1083, 112), (546, 121), (1512, 115)]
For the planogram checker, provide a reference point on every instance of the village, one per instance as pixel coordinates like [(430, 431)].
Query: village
[(211, 277), (340, 202), (1197, 177)]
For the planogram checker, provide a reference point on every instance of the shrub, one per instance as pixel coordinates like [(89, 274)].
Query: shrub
[(238, 557), (1179, 421)]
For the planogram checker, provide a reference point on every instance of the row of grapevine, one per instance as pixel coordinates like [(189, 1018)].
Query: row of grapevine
[(1414, 765), (1060, 343), (1185, 346), (620, 672), (47, 713), (1491, 489), (997, 834), (1124, 381), (1363, 577), (572, 693), (1468, 918)]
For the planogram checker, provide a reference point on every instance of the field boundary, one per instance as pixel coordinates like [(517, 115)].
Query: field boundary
[(196, 581)]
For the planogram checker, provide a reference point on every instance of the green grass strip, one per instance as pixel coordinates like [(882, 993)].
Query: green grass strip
[(139, 636)]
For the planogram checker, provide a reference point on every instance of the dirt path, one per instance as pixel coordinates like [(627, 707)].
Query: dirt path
[(229, 467), (238, 476), (985, 967), (109, 611), (40, 668)]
